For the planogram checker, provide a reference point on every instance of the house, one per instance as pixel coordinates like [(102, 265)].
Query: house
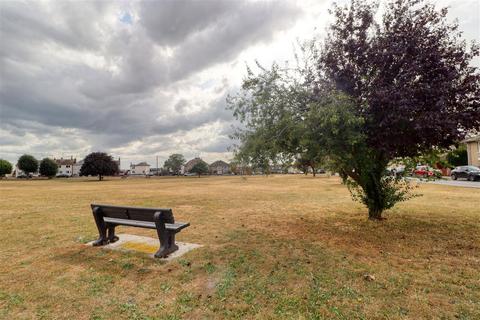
[(240, 169), (473, 150), (65, 166), (219, 167), (189, 165), (19, 173), (141, 168), (76, 168)]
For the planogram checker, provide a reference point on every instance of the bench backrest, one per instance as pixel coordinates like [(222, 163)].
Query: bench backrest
[(134, 213)]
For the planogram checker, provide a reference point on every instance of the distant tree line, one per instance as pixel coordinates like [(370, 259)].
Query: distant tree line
[(95, 164)]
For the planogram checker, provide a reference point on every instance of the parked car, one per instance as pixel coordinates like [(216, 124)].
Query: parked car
[(470, 173), (189, 174), (63, 175), (396, 170), (423, 171)]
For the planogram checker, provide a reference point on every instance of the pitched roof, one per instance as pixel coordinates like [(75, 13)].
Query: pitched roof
[(472, 139), (142, 164), (67, 162), (219, 163), (189, 165), (193, 161)]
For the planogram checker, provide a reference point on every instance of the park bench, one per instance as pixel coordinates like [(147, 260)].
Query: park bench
[(107, 217)]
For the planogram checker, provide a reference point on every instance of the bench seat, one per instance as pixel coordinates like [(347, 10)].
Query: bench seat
[(108, 217), (175, 227)]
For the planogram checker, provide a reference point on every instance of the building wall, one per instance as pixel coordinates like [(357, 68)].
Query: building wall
[(473, 150), (189, 165), (19, 172), (65, 169), (139, 169), (76, 169), (219, 169)]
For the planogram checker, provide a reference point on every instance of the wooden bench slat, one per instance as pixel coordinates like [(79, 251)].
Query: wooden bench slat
[(177, 226)]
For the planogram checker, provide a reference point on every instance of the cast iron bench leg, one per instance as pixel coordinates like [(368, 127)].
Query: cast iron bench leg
[(111, 234), (102, 228), (167, 244), (167, 238)]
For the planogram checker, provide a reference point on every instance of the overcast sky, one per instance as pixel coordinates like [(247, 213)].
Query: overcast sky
[(143, 79)]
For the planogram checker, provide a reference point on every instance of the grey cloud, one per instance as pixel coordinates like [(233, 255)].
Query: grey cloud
[(221, 144), (78, 81), (69, 23), (181, 105), (170, 22), (248, 24)]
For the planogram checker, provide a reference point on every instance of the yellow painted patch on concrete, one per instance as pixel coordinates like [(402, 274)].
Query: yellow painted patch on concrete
[(138, 246)]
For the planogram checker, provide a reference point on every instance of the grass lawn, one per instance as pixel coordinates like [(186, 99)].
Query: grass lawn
[(282, 247)]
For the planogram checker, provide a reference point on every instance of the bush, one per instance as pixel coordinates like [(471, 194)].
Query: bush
[(458, 157), (5, 167)]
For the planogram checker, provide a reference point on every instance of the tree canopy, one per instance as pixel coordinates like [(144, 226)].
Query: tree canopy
[(201, 167), (99, 164), (458, 157), (375, 90), (174, 163), (409, 73), (5, 167), (27, 164), (48, 168)]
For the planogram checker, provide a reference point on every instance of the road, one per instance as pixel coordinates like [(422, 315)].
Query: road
[(452, 183)]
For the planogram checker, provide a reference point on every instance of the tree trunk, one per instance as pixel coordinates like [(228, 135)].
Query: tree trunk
[(375, 214), (100, 178), (314, 172), (376, 195)]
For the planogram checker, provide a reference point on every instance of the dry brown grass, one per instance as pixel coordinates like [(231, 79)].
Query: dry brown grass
[(274, 248)]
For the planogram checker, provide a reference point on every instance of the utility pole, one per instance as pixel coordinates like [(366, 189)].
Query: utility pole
[(157, 165)]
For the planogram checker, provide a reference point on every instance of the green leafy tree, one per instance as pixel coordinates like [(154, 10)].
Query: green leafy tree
[(28, 164), (410, 78), (302, 165), (310, 160), (48, 168), (174, 163), (270, 105), (340, 133), (458, 157), (5, 168), (369, 99), (256, 153), (201, 167), (99, 164)]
